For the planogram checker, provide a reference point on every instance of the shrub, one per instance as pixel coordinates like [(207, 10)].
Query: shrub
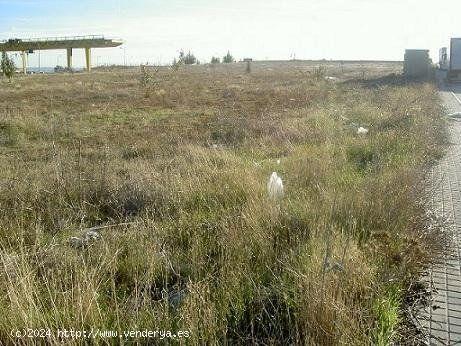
[(7, 66), (362, 156), (145, 77), (319, 72), (215, 60), (10, 134), (248, 68)]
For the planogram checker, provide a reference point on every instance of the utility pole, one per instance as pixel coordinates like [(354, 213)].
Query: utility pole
[(124, 55)]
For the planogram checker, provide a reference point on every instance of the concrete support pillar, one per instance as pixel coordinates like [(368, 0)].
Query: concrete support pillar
[(24, 62), (69, 58), (88, 59)]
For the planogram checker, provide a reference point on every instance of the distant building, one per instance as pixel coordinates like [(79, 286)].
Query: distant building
[(443, 59)]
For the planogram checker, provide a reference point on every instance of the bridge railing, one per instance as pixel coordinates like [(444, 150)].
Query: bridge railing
[(62, 38)]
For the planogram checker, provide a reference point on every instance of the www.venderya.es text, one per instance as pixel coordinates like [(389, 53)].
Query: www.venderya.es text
[(98, 333)]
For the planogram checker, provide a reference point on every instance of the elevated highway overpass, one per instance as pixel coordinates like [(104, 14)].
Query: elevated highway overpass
[(25, 46)]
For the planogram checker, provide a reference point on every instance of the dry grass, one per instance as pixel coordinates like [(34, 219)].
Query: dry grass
[(184, 159)]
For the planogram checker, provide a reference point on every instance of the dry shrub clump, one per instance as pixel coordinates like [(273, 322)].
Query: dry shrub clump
[(190, 239)]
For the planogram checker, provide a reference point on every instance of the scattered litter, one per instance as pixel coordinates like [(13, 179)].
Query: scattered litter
[(175, 298), (333, 266), (278, 161), (76, 242), (88, 238), (362, 131), (436, 307), (454, 115), (161, 92), (275, 186), (91, 236), (330, 78)]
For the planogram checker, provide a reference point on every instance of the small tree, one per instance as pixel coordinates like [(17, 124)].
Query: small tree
[(7, 66), (187, 59), (228, 58), (182, 56), (215, 60), (190, 59), (175, 65)]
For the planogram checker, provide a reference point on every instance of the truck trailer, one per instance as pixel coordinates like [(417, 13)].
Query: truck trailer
[(454, 72), (417, 63)]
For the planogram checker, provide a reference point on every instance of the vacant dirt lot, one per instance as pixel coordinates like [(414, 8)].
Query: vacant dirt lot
[(172, 166)]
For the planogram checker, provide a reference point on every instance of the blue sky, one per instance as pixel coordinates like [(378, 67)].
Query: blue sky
[(155, 30)]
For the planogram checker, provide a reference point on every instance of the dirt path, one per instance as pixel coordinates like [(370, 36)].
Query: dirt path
[(444, 321)]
